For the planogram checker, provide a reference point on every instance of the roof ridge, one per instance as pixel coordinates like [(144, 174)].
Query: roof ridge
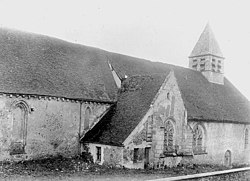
[(146, 75)]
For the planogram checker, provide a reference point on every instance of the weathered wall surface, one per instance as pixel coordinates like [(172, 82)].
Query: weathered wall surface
[(211, 64), (222, 137), (95, 112), (139, 141), (168, 105), (110, 155), (52, 126), (145, 145)]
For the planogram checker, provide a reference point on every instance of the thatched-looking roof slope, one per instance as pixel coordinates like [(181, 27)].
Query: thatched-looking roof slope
[(134, 101), (36, 64), (130, 66), (211, 102)]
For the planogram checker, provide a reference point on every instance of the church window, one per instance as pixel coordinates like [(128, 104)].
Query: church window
[(213, 60), (195, 60), (169, 136), (98, 153), (198, 140), (86, 118), (19, 128), (246, 138)]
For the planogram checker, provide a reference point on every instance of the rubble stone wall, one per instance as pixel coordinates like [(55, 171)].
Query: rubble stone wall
[(41, 126)]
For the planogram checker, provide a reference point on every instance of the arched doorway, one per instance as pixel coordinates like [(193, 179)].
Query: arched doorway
[(228, 158)]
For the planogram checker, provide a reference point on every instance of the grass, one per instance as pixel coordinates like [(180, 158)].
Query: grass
[(76, 169)]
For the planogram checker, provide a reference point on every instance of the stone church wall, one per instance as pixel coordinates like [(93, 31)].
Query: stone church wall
[(149, 134), (168, 107), (140, 140), (145, 145), (33, 127), (222, 137)]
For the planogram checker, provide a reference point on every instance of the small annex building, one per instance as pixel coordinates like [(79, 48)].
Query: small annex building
[(57, 96)]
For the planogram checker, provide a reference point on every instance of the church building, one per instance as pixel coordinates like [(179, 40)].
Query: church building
[(56, 97)]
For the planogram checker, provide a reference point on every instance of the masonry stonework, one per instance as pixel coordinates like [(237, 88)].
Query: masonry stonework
[(231, 137), (167, 105), (51, 126), (109, 155), (145, 146)]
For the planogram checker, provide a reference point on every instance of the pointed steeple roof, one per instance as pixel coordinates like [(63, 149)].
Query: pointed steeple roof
[(207, 44)]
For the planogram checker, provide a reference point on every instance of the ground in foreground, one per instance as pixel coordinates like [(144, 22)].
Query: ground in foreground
[(76, 169)]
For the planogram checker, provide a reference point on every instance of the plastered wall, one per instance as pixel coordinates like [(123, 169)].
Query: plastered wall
[(168, 105), (52, 126), (110, 155), (222, 137)]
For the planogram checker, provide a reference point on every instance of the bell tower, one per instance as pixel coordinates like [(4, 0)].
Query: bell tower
[(207, 58)]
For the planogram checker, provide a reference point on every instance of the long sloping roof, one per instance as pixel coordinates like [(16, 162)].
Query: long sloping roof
[(207, 101), (36, 64), (206, 44)]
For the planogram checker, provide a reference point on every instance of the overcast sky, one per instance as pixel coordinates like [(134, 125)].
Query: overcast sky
[(160, 30)]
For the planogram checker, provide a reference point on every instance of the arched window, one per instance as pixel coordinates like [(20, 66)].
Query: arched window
[(19, 128), (86, 118), (169, 136), (246, 138), (198, 139)]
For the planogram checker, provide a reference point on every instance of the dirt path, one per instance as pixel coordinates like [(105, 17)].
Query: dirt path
[(85, 177)]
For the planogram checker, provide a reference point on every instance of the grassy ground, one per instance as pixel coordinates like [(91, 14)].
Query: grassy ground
[(77, 169)]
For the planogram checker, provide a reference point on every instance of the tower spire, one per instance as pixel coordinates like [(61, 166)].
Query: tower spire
[(207, 57), (207, 44)]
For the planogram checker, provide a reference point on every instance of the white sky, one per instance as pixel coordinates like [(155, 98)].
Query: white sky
[(158, 30)]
